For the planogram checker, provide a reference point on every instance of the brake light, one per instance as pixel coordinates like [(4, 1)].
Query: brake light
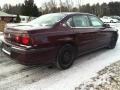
[(25, 40)]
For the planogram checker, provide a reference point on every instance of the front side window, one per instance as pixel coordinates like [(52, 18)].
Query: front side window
[(95, 21), (79, 21)]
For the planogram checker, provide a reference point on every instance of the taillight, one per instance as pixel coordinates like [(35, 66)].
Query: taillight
[(23, 39), (17, 39)]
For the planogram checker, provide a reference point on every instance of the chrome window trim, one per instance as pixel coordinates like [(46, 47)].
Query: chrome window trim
[(84, 27)]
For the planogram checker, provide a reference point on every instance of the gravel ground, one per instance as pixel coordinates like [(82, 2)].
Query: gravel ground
[(107, 79)]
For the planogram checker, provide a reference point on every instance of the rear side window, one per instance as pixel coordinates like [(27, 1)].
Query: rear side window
[(48, 19), (79, 21), (95, 21)]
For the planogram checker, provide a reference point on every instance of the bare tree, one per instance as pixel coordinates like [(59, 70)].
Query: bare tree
[(60, 5), (79, 5), (69, 5), (46, 8)]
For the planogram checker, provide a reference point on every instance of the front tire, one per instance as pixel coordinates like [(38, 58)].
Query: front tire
[(65, 57), (113, 41)]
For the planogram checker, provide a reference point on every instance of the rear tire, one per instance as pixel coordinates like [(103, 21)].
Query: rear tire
[(65, 57), (113, 41)]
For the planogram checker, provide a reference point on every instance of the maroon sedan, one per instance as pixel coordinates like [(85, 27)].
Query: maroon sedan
[(57, 38)]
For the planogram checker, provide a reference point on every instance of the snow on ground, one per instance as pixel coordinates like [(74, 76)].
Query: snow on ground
[(16, 76), (107, 79), (97, 83)]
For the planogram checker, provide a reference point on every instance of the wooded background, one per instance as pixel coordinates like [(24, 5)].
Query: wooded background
[(29, 8)]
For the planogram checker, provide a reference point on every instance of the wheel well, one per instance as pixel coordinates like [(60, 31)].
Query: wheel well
[(115, 34), (72, 44), (76, 50), (69, 43)]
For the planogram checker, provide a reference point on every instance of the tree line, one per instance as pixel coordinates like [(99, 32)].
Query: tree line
[(29, 8)]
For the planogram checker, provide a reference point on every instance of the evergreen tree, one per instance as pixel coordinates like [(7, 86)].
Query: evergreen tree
[(30, 9), (0, 8), (114, 8), (18, 19), (105, 10)]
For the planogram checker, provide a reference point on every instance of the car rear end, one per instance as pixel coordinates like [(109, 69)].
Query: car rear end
[(33, 42), (20, 45)]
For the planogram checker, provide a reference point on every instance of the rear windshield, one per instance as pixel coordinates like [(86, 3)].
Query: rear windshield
[(48, 19)]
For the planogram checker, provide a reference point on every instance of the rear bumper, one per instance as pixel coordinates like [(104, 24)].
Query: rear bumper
[(31, 56)]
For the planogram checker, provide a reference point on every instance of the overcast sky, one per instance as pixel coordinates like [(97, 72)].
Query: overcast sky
[(40, 2)]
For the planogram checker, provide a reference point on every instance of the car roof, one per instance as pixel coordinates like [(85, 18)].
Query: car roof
[(73, 13)]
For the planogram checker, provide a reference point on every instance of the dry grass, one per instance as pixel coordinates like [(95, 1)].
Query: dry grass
[(2, 26)]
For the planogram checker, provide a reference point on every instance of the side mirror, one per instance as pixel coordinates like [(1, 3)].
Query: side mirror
[(106, 25)]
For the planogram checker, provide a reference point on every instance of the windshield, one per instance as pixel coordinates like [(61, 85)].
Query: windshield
[(48, 19)]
